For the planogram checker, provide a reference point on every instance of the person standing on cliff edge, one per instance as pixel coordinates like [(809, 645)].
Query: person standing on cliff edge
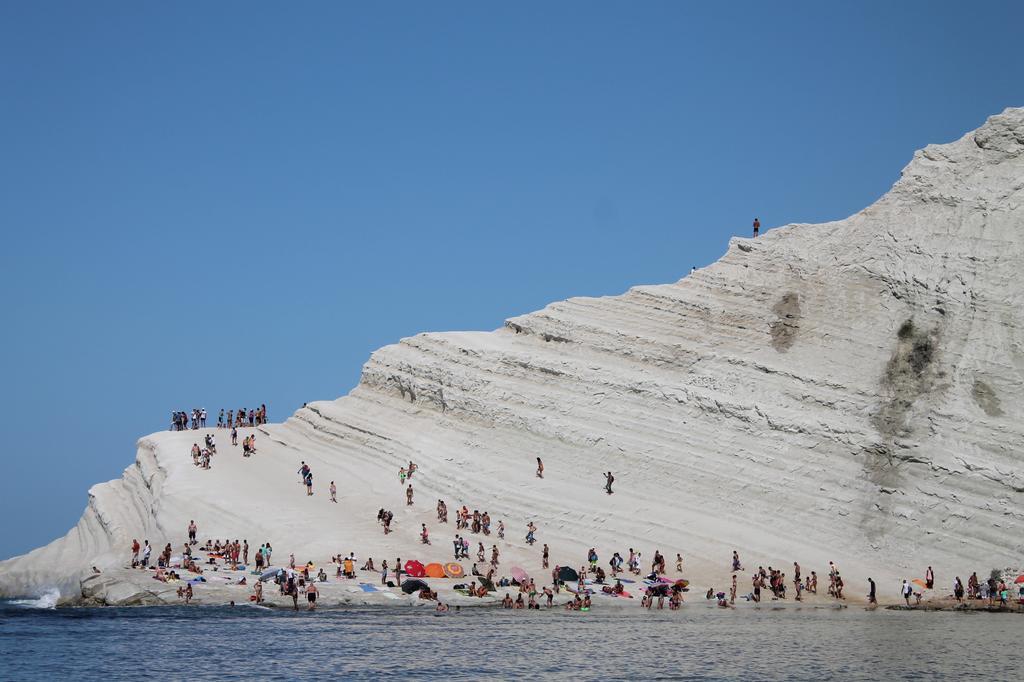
[(757, 226)]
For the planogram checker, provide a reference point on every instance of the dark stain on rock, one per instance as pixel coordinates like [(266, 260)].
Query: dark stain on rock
[(911, 372), (907, 376), (986, 398), (785, 328)]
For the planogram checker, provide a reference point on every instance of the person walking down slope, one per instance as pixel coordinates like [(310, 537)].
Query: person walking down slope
[(608, 480), (757, 226)]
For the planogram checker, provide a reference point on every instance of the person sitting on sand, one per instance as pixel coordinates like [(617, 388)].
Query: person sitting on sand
[(368, 566), (481, 591)]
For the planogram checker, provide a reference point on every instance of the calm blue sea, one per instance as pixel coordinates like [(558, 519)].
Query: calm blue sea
[(699, 642)]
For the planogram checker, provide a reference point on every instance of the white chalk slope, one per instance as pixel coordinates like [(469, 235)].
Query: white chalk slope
[(846, 391)]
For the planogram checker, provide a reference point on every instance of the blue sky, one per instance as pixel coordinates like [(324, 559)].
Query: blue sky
[(222, 204)]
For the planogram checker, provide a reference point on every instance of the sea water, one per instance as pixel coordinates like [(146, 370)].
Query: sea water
[(699, 642)]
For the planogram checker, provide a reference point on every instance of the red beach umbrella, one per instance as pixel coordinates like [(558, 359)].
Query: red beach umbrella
[(414, 569), (1019, 580)]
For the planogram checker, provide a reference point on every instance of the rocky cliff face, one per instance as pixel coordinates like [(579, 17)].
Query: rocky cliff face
[(840, 391)]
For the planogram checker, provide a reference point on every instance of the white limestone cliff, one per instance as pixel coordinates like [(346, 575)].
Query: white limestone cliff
[(846, 391)]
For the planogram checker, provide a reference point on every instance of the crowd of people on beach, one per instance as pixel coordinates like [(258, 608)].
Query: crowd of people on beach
[(296, 580)]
